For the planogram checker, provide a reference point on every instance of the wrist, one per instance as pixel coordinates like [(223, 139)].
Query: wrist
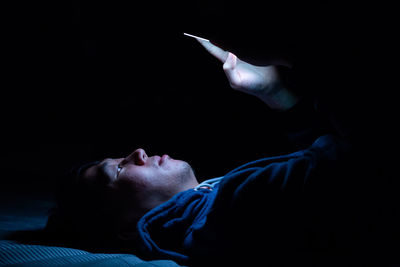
[(280, 98)]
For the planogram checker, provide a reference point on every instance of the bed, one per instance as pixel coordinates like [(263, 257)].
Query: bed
[(27, 211)]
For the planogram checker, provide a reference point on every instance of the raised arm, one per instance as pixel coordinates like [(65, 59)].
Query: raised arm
[(261, 81)]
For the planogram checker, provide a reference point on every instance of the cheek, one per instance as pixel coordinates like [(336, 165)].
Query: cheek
[(131, 182)]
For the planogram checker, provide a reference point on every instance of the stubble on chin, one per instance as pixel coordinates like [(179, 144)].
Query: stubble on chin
[(187, 175)]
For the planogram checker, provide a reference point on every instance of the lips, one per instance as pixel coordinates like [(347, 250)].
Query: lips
[(163, 159)]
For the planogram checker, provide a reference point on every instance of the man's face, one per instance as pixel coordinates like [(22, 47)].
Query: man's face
[(140, 182)]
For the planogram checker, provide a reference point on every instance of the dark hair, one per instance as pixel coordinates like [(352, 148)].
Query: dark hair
[(82, 217)]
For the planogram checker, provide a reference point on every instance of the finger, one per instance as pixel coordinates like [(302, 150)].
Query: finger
[(231, 72), (230, 62), (214, 50)]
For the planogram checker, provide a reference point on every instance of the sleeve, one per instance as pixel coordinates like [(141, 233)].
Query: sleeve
[(274, 201), (308, 170)]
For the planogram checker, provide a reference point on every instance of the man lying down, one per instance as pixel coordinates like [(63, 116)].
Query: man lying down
[(279, 209)]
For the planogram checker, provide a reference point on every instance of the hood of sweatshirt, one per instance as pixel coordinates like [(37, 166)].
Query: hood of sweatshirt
[(166, 230)]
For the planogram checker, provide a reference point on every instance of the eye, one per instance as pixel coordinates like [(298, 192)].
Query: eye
[(119, 168)]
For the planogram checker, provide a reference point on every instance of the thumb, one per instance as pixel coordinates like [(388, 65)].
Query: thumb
[(231, 72), (230, 62)]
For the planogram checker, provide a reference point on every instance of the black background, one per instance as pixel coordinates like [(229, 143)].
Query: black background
[(85, 80)]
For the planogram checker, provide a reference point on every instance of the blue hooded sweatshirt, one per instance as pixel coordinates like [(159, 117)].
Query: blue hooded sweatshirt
[(261, 209)]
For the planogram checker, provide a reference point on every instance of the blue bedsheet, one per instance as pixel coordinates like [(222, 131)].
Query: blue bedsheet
[(21, 211), (12, 253)]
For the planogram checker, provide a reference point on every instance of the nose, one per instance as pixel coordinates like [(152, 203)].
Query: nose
[(138, 157)]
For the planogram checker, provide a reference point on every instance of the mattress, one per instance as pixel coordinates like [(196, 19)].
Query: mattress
[(22, 211), (12, 253)]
